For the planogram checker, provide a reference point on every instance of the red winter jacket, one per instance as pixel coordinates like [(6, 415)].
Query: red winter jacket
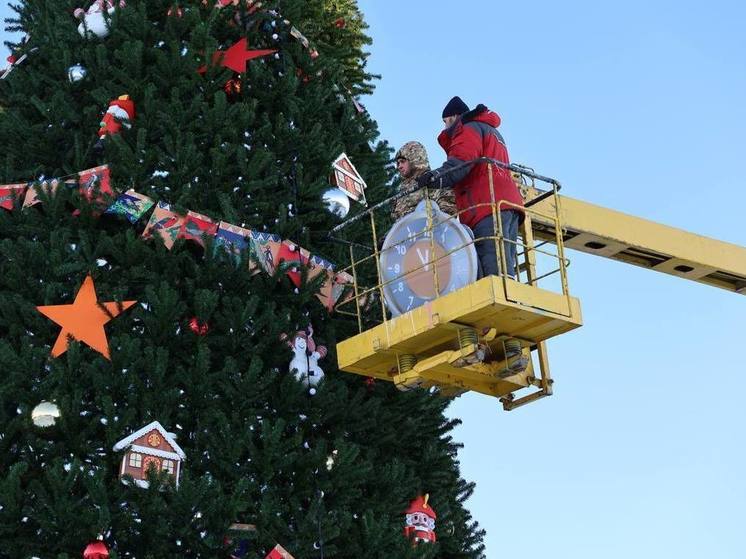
[(475, 135)]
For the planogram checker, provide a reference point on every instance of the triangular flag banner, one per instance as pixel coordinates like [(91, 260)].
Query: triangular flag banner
[(47, 187), (131, 205), (95, 186), (165, 223), (264, 249), (10, 193), (232, 238), (195, 226)]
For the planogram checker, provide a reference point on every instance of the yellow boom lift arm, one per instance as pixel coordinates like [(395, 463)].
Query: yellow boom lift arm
[(455, 342)]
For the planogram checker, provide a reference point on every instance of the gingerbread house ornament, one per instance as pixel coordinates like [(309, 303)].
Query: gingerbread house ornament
[(150, 447), (348, 179)]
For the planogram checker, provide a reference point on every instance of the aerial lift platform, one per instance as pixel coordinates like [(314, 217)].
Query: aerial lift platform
[(456, 342)]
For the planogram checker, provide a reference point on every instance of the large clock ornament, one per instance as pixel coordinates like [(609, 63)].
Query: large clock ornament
[(412, 253)]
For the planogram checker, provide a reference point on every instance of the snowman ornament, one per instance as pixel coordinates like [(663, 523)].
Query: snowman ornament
[(305, 362), (95, 20)]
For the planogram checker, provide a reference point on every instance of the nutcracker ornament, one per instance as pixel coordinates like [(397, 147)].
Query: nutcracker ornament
[(420, 521), (96, 550), (120, 114)]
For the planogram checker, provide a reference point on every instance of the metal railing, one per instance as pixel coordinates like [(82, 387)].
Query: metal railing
[(365, 268)]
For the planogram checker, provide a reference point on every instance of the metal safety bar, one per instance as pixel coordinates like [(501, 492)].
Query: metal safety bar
[(525, 171), (362, 296)]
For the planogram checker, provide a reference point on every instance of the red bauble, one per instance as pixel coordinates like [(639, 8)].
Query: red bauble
[(175, 11), (340, 23), (232, 88), (96, 550), (198, 327), (12, 59)]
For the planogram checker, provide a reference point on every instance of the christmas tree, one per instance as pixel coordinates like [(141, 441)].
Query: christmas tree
[(227, 117)]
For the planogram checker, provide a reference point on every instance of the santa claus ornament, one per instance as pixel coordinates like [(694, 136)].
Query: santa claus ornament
[(96, 550), (95, 20), (419, 522), (199, 327), (120, 114), (279, 552)]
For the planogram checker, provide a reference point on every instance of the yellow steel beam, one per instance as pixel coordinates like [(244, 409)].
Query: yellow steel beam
[(522, 311), (612, 234)]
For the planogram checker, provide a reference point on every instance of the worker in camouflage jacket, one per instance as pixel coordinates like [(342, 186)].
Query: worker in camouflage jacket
[(411, 162)]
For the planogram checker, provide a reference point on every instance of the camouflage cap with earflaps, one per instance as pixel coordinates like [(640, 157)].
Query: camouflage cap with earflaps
[(416, 154)]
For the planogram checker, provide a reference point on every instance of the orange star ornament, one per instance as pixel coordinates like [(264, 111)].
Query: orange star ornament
[(84, 319)]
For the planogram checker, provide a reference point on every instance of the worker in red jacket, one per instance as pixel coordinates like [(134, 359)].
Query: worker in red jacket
[(468, 135)]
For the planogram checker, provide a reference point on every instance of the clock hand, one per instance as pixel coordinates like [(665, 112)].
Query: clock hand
[(424, 259)]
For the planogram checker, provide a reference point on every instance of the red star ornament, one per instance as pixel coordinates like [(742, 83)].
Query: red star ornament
[(236, 56), (84, 319)]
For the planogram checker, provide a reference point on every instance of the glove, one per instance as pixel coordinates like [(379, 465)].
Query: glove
[(425, 179)]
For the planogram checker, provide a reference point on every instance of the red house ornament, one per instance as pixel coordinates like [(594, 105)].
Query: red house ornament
[(278, 552), (419, 521), (347, 178), (150, 447)]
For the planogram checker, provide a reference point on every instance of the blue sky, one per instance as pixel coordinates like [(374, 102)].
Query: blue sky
[(636, 106), (639, 108)]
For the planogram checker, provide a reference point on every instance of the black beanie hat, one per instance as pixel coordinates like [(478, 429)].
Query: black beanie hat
[(455, 107)]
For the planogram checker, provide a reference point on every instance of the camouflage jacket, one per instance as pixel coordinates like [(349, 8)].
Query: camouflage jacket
[(416, 154), (406, 204)]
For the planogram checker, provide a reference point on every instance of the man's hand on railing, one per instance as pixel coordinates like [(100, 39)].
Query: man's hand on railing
[(425, 179)]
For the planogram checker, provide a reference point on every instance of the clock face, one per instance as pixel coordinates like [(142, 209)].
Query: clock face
[(154, 439), (412, 256)]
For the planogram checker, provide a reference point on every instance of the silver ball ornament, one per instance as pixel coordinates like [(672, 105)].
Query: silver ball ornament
[(337, 202), (76, 73), (45, 414)]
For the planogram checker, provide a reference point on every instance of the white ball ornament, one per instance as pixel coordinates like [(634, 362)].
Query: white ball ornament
[(337, 202), (76, 73), (45, 414)]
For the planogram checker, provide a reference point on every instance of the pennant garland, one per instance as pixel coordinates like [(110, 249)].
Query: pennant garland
[(267, 252), (130, 205), (95, 186), (165, 223), (47, 187), (10, 193), (195, 226)]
